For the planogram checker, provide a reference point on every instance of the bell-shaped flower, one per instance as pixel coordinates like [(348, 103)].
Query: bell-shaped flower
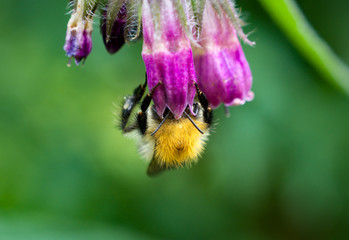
[(222, 70), (168, 57)]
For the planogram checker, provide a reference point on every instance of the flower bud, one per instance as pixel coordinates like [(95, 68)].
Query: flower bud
[(114, 40), (78, 42), (221, 67), (168, 57)]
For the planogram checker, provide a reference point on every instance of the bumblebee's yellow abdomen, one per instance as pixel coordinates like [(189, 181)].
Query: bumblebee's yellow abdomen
[(178, 142)]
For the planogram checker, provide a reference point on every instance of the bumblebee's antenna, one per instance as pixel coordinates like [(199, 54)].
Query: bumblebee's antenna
[(162, 122), (193, 123)]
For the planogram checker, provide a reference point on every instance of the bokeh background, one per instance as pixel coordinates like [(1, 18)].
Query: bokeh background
[(278, 168)]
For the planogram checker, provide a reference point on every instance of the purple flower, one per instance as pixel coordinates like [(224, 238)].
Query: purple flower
[(115, 40), (78, 42), (220, 64), (168, 57)]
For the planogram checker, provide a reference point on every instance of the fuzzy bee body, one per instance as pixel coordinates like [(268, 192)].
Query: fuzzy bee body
[(166, 141)]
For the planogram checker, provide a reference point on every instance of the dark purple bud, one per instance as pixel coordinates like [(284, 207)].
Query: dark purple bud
[(116, 39)]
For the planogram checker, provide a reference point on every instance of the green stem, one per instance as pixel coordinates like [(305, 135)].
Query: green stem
[(291, 20)]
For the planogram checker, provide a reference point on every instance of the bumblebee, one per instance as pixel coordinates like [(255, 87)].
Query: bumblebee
[(165, 141)]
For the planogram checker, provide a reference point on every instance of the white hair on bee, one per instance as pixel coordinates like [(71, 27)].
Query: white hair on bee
[(116, 109), (145, 146)]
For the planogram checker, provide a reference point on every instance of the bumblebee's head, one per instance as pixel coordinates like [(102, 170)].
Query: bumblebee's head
[(176, 142), (167, 141)]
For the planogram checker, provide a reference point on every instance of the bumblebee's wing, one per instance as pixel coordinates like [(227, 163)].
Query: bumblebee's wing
[(154, 168)]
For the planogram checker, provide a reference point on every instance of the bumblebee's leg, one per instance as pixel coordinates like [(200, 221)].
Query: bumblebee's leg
[(208, 115), (142, 116), (129, 103)]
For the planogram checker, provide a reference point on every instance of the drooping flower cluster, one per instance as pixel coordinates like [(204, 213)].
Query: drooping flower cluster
[(185, 42)]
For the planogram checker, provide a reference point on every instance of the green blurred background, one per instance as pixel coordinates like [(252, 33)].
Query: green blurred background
[(278, 168)]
